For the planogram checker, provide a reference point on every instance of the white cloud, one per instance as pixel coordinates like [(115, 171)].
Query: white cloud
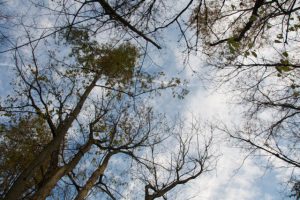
[(234, 178)]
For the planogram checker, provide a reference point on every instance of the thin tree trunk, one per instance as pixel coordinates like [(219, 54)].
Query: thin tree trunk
[(15, 192), (94, 177), (57, 174)]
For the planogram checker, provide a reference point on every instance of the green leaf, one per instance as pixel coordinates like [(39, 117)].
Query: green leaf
[(253, 18), (277, 41), (246, 54), (254, 54), (231, 49), (286, 68), (285, 62), (281, 69), (285, 54), (278, 69)]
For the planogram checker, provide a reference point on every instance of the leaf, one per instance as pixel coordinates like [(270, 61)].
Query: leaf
[(285, 54), (233, 44), (292, 29), (281, 69), (231, 49), (286, 68), (285, 62), (246, 54), (277, 41), (279, 36), (254, 54), (253, 18)]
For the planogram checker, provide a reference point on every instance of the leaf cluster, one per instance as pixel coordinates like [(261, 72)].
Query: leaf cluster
[(20, 142), (115, 62)]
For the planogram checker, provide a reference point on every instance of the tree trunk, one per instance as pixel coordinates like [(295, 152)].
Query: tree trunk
[(57, 174), (15, 192), (94, 177)]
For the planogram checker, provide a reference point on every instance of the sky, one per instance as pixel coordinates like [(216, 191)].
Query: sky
[(234, 177)]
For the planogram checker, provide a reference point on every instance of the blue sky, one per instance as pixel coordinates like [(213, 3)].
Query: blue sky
[(232, 179)]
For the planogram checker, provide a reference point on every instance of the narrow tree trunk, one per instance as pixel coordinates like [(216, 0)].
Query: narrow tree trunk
[(94, 177), (57, 174), (19, 186), (17, 189)]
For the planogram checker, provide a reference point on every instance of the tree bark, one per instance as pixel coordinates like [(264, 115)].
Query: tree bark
[(15, 192), (94, 177), (57, 174)]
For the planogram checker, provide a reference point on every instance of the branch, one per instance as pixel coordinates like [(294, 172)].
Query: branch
[(254, 15), (111, 12)]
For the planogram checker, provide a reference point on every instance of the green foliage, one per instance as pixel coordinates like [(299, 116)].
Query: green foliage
[(19, 144), (233, 45), (285, 66), (254, 54), (116, 63), (285, 54)]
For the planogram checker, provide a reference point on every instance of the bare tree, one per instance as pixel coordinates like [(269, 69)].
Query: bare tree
[(140, 20), (257, 42), (191, 158)]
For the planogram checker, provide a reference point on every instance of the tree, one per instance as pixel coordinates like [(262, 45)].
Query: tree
[(21, 141), (252, 45), (139, 21), (257, 41), (87, 98)]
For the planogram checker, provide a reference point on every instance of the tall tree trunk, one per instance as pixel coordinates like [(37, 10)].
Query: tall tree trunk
[(94, 177), (58, 173), (17, 189)]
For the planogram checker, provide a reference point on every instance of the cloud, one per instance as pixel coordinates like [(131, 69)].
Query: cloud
[(234, 177)]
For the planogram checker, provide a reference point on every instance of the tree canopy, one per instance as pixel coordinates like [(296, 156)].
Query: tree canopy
[(82, 93)]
